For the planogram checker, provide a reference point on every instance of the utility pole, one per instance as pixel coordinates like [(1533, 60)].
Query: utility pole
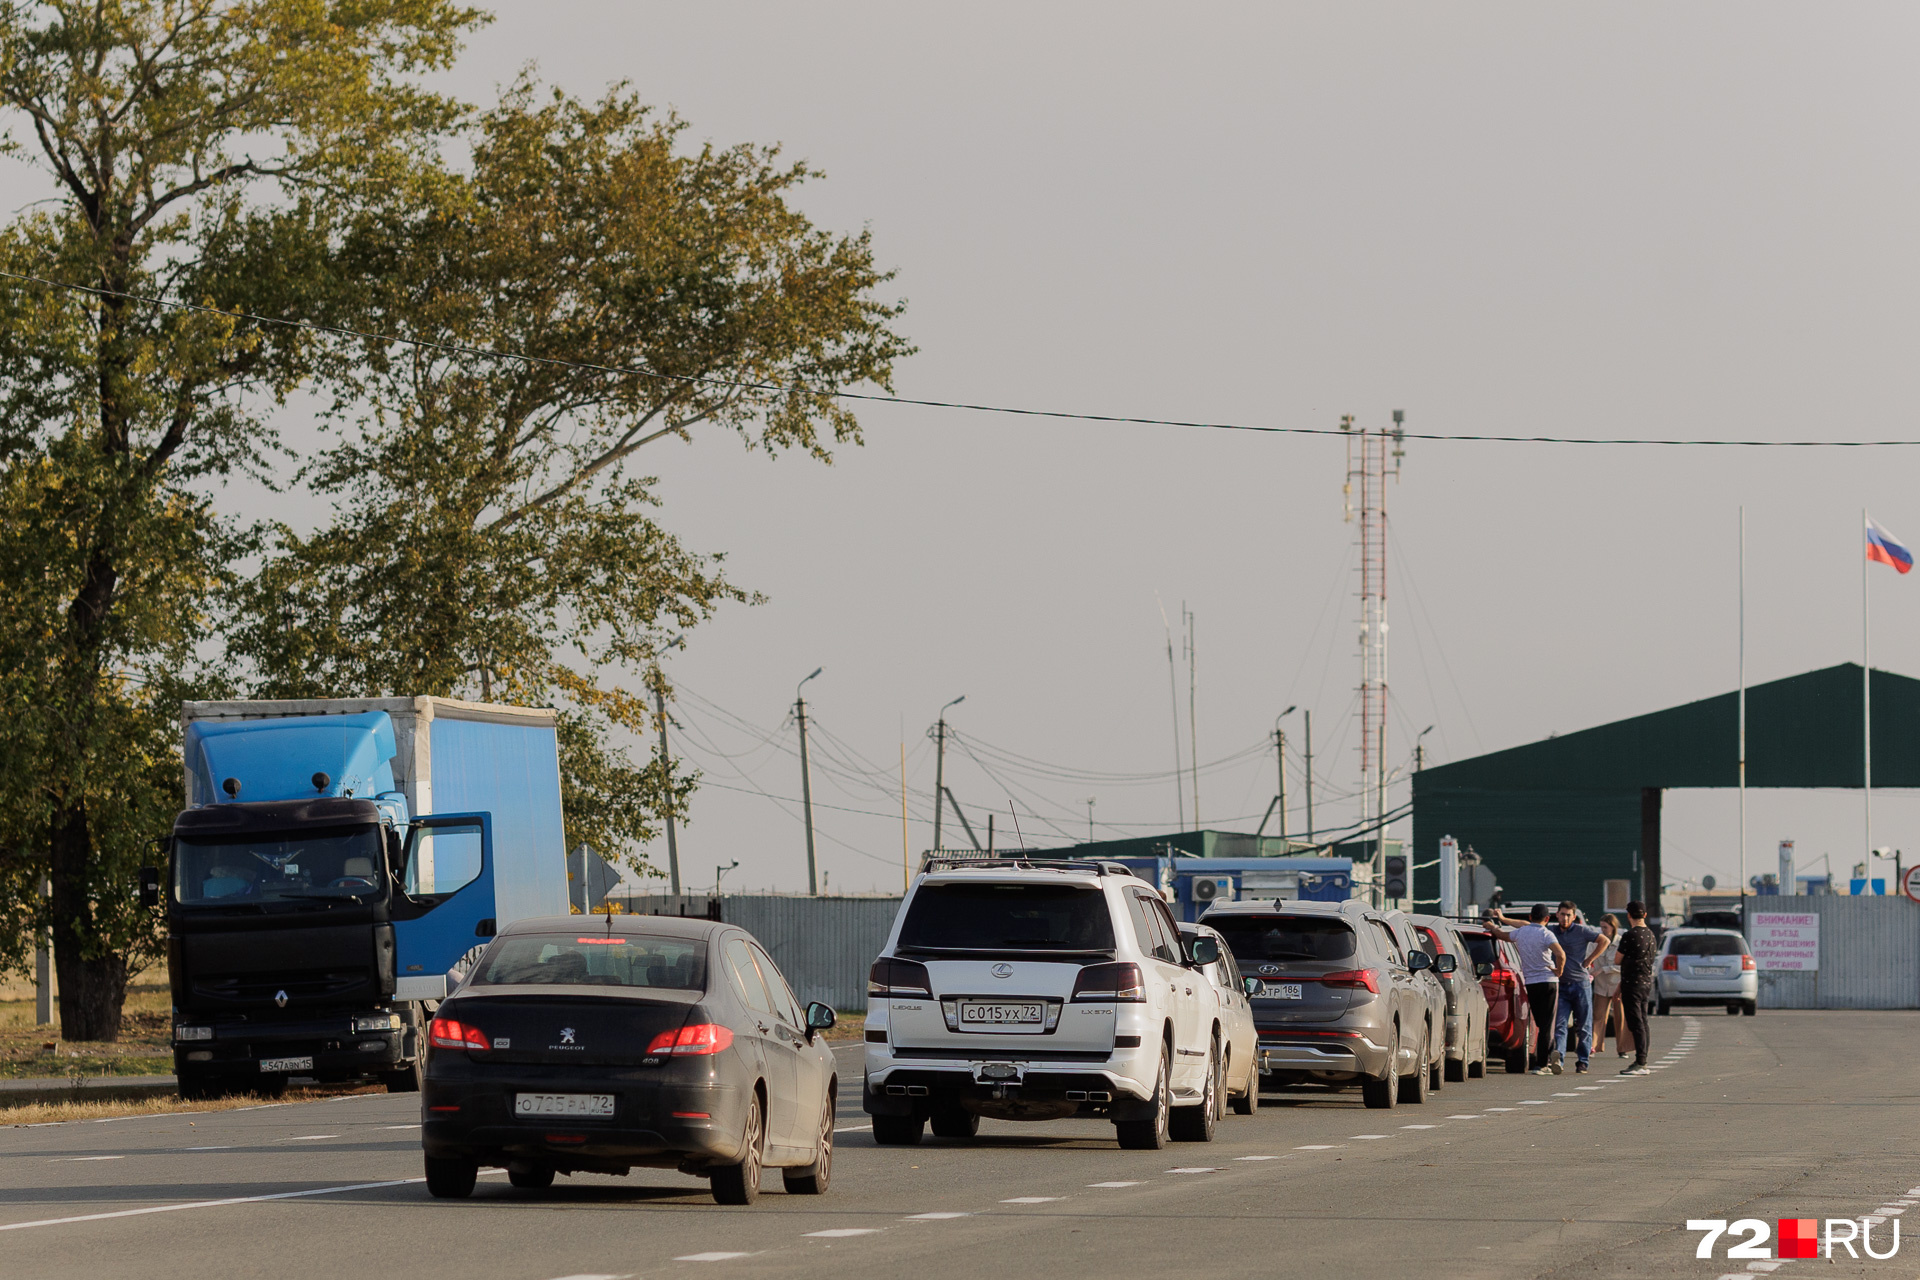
[(1308, 716), (806, 782), (1193, 712), (1280, 763), (1173, 688), (940, 768), (666, 779), (906, 842), (1090, 800)]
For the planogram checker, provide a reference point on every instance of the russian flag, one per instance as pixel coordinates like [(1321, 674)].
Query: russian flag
[(1886, 548)]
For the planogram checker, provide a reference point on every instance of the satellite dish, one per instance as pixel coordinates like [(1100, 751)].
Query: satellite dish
[(1706, 882)]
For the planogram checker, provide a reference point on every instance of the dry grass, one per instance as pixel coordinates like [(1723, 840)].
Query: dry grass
[(145, 1047), (165, 1104), (849, 1026)]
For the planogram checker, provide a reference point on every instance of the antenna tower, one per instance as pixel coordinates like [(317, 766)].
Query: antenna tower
[(1376, 451)]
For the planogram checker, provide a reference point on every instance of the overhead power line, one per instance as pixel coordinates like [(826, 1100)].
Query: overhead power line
[(731, 384)]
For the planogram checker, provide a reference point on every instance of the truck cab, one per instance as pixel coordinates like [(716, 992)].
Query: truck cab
[(310, 933)]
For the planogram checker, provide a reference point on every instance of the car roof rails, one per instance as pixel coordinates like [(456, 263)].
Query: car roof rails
[(963, 861)]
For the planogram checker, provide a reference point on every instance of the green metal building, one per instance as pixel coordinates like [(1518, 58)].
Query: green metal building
[(1557, 818)]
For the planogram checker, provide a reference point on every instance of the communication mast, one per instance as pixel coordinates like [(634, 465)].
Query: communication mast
[(1375, 451)]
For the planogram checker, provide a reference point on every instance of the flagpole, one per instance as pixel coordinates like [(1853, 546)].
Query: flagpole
[(1743, 702), (1866, 710)]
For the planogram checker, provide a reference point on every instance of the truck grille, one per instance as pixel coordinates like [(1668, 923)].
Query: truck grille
[(303, 988)]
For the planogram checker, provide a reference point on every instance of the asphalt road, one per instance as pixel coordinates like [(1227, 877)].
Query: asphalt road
[(1788, 1115)]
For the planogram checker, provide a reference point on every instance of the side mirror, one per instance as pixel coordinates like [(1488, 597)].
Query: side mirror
[(1445, 964), (1252, 986), (1418, 960), (820, 1017), (149, 886), (1483, 969), (1203, 950), (486, 928)]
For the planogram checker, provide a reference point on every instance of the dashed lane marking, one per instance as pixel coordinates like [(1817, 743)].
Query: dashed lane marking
[(1318, 1146), (1256, 1157), (1419, 1126), (1105, 1185), (1198, 1168), (311, 1137), (841, 1233), (206, 1148), (1033, 1199), (708, 1257), (1536, 1102), (1500, 1108), (1465, 1117), (84, 1159), (933, 1217), (399, 1126), (625, 1275), (1369, 1137), (207, 1204)]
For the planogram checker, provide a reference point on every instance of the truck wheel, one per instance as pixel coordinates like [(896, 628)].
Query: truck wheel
[(955, 1122), (451, 1179), (898, 1131), (406, 1079)]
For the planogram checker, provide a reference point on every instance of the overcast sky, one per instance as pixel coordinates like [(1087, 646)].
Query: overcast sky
[(1641, 220)]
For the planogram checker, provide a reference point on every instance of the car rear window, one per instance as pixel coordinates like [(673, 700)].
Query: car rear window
[(1707, 944), (1002, 917), (1262, 939), (1481, 947), (593, 960)]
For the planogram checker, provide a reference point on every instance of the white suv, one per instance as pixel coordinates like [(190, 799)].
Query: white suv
[(1025, 990)]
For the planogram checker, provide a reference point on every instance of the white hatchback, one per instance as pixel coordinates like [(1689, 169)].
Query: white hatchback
[(1033, 990), (1705, 967)]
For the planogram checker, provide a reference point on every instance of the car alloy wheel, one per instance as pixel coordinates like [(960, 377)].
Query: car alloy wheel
[(1196, 1124), (1151, 1134), (740, 1183), (812, 1179), (1382, 1095)]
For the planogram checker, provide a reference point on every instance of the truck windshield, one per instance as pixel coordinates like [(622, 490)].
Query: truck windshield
[(324, 864)]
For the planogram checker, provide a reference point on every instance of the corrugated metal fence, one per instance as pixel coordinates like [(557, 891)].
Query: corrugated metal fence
[(824, 945), (1869, 954)]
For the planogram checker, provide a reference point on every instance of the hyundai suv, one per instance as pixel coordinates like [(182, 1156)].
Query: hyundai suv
[(1345, 996), (1028, 990)]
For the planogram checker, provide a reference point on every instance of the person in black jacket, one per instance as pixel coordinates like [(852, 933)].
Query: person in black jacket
[(1638, 951)]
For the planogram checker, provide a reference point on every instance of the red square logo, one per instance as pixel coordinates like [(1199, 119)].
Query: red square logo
[(1799, 1238)]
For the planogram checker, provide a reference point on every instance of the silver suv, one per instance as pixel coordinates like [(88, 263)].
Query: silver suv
[(1027, 990)]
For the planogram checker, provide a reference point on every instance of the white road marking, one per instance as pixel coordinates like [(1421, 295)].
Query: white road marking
[(1033, 1199), (1464, 1117), (415, 1126), (1566, 1095), (1763, 1266), (84, 1159), (1198, 1168), (311, 1137), (1256, 1157), (1419, 1126), (1318, 1146), (1369, 1137), (625, 1275), (934, 1217), (1536, 1102), (1588, 1088), (206, 1204), (851, 1128), (704, 1257), (1500, 1108), (206, 1148), (841, 1233), (1113, 1184)]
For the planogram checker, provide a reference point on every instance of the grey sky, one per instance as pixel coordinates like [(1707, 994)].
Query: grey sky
[(1627, 219)]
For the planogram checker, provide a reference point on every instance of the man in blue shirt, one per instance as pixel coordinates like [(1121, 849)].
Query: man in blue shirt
[(1583, 945)]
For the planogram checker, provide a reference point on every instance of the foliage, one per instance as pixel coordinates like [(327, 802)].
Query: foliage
[(197, 148), (491, 539)]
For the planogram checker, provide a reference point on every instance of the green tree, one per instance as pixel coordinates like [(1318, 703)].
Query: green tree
[(196, 150), (493, 538)]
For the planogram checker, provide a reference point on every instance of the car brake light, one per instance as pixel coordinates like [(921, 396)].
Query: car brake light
[(695, 1038), (1356, 978), (1670, 964), (449, 1033), (1120, 981), (1746, 964), (890, 977)]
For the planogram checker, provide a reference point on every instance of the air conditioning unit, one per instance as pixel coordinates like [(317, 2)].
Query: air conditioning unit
[(1213, 889)]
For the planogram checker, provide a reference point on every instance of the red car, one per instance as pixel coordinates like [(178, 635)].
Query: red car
[(1509, 1018)]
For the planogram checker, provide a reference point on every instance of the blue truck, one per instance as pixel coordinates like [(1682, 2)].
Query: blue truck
[(337, 858)]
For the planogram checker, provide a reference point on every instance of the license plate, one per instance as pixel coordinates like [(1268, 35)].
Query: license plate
[(286, 1064), (1001, 1014), (1711, 968), (563, 1104), (1282, 990)]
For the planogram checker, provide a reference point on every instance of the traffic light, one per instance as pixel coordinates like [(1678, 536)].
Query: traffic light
[(1396, 879)]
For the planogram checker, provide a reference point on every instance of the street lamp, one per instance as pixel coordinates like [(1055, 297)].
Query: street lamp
[(940, 767)]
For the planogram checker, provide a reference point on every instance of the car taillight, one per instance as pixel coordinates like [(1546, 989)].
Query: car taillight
[(695, 1038), (890, 977), (1746, 964), (1120, 981), (1356, 978), (1670, 964), (449, 1033)]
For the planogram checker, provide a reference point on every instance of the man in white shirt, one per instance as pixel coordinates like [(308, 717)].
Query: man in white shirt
[(1541, 960)]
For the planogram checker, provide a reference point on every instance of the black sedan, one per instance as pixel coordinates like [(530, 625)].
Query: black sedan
[(603, 1044)]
